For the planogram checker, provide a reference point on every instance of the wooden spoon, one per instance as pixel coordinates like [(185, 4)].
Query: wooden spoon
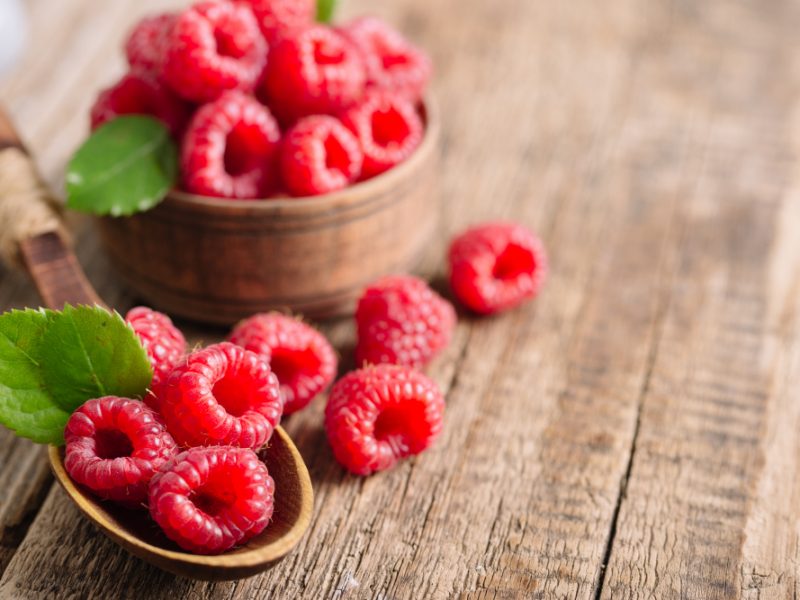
[(58, 276)]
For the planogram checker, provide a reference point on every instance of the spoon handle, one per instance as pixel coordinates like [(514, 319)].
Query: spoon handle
[(31, 227)]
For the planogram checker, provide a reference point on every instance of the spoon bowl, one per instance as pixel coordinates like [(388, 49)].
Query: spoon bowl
[(139, 535)]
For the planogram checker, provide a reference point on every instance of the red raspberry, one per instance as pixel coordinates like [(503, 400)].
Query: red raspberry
[(319, 155), (299, 355), (377, 415), (496, 266), (208, 500), (148, 42), (402, 321), (230, 148), (313, 71), (393, 64), (163, 342), (140, 94), (214, 46), (222, 395), (279, 18), (114, 446), (388, 128)]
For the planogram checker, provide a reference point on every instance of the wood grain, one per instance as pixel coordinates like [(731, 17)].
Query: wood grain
[(642, 413)]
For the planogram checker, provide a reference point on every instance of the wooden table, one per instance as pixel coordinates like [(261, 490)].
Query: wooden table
[(633, 432)]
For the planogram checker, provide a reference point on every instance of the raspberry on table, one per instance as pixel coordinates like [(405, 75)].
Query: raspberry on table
[(163, 342), (496, 266), (319, 155), (114, 446), (300, 357), (230, 149), (214, 46), (388, 128), (140, 94), (392, 63), (313, 71), (279, 18), (380, 414), (402, 321), (147, 43), (222, 395), (208, 500)]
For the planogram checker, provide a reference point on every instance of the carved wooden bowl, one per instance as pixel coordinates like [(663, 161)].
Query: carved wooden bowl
[(218, 260)]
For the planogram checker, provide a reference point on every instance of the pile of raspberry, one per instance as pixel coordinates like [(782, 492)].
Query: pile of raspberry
[(188, 451), (265, 102)]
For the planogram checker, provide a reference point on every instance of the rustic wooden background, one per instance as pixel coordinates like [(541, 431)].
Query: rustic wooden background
[(633, 432)]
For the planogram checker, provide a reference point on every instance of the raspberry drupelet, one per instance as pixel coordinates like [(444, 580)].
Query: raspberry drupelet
[(496, 266), (279, 18), (208, 500), (146, 46), (299, 355), (114, 446), (222, 395), (378, 415), (402, 321)]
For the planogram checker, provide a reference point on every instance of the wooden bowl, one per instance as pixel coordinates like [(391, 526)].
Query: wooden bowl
[(218, 261), (139, 535)]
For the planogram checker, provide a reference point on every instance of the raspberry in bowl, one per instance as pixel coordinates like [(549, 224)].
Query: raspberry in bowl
[(297, 187)]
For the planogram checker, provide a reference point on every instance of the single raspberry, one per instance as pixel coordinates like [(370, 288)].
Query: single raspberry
[(319, 155), (214, 46), (140, 94), (230, 149), (114, 446), (392, 63), (299, 355), (148, 42), (222, 395), (496, 266), (163, 342), (388, 128), (208, 500), (279, 18), (378, 415), (402, 321), (313, 71)]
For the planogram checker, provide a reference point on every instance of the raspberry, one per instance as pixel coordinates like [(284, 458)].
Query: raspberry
[(392, 63), (230, 148), (496, 266), (140, 94), (319, 155), (222, 395), (299, 355), (214, 46), (402, 321), (114, 446), (313, 71), (147, 43), (207, 500), (163, 342), (279, 18), (387, 127), (378, 415)]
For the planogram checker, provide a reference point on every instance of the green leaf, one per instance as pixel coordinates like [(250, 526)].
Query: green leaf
[(126, 166), (325, 9), (52, 362)]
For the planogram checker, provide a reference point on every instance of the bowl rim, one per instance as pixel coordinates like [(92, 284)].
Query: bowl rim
[(352, 195)]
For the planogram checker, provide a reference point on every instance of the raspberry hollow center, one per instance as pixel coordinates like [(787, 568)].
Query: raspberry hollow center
[(400, 425), (229, 393), (245, 147), (336, 156), (112, 443), (227, 44), (514, 261), (289, 365), (326, 54), (213, 498), (389, 127)]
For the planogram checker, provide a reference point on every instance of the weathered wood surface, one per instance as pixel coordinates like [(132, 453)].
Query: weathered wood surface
[(642, 414)]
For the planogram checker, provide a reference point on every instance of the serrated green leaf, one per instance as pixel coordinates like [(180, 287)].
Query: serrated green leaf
[(325, 10), (127, 165), (51, 362), (25, 404)]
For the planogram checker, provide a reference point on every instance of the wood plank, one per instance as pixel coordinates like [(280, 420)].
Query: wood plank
[(710, 510)]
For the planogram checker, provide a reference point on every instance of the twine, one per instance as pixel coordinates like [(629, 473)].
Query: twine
[(27, 208)]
